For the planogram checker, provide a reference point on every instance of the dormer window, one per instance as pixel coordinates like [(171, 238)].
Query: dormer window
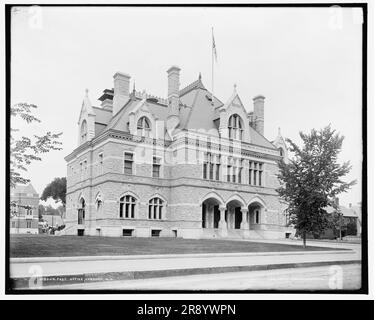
[(235, 127), (144, 127), (84, 131)]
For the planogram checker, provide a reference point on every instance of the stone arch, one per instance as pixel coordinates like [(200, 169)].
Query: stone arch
[(210, 205), (238, 199), (157, 195), (129, 193), (257, 199), (213, 195), (256, 211)]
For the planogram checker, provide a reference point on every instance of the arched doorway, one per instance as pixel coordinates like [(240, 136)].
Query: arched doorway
[(234, 216), (210, 213), (81, 211), (255, 211)]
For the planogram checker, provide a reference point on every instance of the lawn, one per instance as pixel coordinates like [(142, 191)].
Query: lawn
[(63, 246)]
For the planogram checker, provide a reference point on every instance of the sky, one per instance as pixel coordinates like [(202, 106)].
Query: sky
[(305, 61)]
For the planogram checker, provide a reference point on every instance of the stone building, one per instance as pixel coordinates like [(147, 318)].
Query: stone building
[(24, 217), (188, 165)]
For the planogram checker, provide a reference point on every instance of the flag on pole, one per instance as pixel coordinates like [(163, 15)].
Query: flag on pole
[(214, 47)]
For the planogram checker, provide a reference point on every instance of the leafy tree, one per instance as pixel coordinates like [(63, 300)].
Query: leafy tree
[(41, 211), (24, 150), (56, 190), (312, 179)]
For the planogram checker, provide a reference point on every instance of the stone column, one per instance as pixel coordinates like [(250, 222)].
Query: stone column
[(222, 223), (244, 224)]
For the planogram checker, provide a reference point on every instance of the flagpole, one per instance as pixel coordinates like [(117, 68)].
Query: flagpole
[(212, 68)]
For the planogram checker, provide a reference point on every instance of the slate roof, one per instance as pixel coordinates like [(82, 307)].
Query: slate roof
[(196, 112), (24, 189)]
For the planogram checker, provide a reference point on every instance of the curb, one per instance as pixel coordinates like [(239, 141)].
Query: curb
[(172, 256), (23, 282)]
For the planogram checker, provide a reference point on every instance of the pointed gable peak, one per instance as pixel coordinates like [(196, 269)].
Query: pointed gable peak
[(198, 84), (234, 99), (86, 104)]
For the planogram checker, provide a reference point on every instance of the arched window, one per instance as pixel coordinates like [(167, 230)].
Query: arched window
[(99, 203), (155, 208), (81, 211), (235, 127), (84, 131), (127, 207), (144, 127), (281, 151)]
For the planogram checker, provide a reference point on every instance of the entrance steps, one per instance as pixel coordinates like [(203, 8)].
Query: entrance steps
[(231, 234)]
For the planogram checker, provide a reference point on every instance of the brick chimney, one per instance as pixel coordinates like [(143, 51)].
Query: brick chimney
[(121, 91), (173, 120), (258, 113), (173, 90)]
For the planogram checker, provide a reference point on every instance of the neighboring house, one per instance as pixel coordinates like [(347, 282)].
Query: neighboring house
[(350, 223), (186, 166), (24, 209), (52, 220)]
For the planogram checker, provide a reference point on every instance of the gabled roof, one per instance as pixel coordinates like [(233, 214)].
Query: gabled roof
[(347, 212), (259, 139), (197, 110), (24, 189)]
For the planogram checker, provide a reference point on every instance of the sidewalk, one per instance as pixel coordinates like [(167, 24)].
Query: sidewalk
[(89, 269)]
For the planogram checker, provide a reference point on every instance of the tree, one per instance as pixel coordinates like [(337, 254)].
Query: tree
[(56, 190), (24, 150), (312, 179), (41, 211)]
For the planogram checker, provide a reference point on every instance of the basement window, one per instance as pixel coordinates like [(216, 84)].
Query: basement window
[(80, 232), (127, 232), (156, 233)]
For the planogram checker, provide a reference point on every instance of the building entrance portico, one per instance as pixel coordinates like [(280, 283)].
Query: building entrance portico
[(210, 214)]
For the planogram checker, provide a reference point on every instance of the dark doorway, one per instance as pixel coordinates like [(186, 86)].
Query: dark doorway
[(216, 217), (204, 216), (238, 218)]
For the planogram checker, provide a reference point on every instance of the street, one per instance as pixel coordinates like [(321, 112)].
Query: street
[(314, 278)]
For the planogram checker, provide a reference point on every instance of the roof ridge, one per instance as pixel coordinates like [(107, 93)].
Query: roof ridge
[(196, 84)]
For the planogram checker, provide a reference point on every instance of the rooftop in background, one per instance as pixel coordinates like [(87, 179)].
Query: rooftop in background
[(24, 190)]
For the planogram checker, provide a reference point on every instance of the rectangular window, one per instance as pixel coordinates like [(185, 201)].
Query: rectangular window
[(156, 233), (233, 174), (211, 169), (228, 173), (254, 176), (217, 171), (156, 167), (28, 224), (128, 162), (240, 175), (205, 166), (255, 173), (127, 232), (260, 175)]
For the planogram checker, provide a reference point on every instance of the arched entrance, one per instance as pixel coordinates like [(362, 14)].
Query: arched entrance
[(255, 211), (210, 213), (81, 211), (234, 214)]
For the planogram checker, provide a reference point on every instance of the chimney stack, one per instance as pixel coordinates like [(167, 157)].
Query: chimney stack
[(258, 112), (121, 91), (173, 89)]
